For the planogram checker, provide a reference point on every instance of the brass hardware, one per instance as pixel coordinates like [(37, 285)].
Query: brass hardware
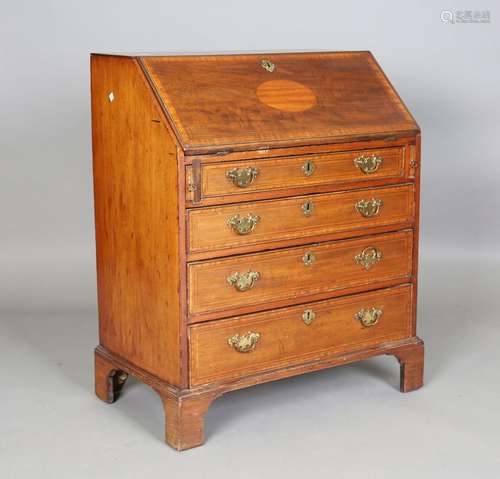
[(309, 258), (196, 180), (368, 317), (307, 208), (308, 168), (368, 257), (308, 316), (122, 377), (242, 177), (191, 186), (243, 224), (368, 208), (368, 164), (243, 281), (268, 65), (245, 343), (413, 162)]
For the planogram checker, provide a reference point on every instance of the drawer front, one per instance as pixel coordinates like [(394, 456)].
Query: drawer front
[(252, 280), (239, 346), (236, 178), (262, 222)]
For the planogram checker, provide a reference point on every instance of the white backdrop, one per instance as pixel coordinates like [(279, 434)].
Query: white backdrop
[(448, 74)]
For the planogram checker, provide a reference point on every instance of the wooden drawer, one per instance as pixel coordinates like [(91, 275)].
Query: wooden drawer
[(294, 274), (239, 346), (224, 227), (269, 174)]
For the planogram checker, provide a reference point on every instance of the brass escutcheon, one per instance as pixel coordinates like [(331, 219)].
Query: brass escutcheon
[(245, 343), (368, 164), (308, 168), (308, 316), (242, 177), (268, 65), (309, 258), (368, 317), (368, 257), (368, 208), (243, 225), (243, 281), (307, 208)]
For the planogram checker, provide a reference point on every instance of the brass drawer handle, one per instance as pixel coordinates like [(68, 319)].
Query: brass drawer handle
[(368, 317), (308, 316), (245, 343), (307, 208), (308, 168), (243, 224), (243, 281), (368, 208), (368, 164), (242, 177), (368, 257)]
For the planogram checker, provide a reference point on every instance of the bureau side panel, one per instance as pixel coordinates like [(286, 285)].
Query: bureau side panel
[(137, 220)]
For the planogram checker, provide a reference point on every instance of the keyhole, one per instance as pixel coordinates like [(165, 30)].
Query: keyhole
[(308, 316), (307, 208), (308, 168), (309, 258)]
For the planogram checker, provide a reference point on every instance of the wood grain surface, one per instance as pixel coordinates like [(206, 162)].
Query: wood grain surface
[(284, 276), (166, 131), (288, 172), (137, 220), (209, 230), (285, 338), (213, 101)]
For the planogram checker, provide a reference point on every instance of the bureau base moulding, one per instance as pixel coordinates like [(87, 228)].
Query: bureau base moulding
[(185, 409)]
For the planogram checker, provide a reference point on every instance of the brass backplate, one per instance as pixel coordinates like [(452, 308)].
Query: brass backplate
[(245, 343), (368, 257)]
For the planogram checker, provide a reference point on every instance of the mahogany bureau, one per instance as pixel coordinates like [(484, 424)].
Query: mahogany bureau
[(256, 218)]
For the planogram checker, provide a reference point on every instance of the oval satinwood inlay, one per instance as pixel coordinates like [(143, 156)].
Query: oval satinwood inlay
[(286, 95)]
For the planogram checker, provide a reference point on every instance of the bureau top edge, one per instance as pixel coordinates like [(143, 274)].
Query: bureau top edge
[(401, 139), (205, 53), (301, 147)]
